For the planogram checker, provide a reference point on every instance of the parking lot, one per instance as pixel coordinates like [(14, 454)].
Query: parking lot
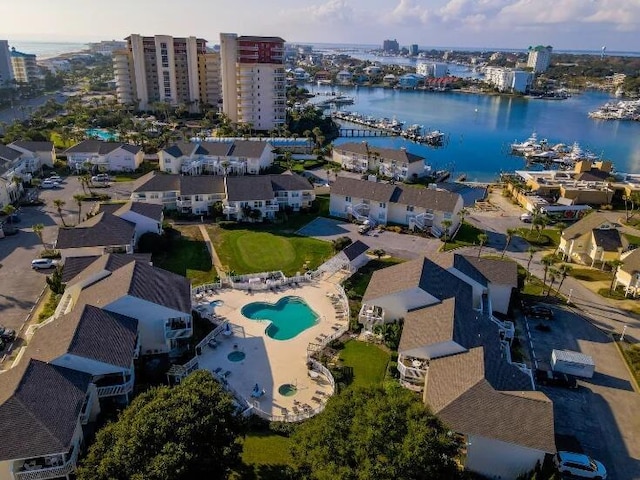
[(396, 244), (602, 414)]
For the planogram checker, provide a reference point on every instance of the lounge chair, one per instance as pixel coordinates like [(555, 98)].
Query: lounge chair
[(217, 370), (335, 328), (226, 374), (316, 399), (212, 343), (320, 392), (295, 410)]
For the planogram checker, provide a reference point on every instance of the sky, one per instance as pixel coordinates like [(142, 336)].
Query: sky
[(564, 24)]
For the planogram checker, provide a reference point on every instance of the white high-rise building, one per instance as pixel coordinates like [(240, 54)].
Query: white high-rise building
[(508, 79), (539, 58), (176, 71), (6, 72), (253, 80)]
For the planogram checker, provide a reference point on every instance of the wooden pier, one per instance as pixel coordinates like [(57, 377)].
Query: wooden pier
[(364, 132)]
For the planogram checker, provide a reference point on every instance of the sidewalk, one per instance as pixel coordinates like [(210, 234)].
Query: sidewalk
[(217, 264)]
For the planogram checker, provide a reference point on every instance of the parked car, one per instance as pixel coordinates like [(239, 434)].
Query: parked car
[(43, 263), (101, 177), (579, 465), (555, 379), (364, 228), (537, 311), (49, 184), (526, 218), (7, 335), (54, 177)]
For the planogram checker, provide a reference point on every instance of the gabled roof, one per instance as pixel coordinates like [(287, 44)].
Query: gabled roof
[(33, 146), (88, 332), (101, 148), (610, 240), (584, 225), (107, 262), (149, 210), (289, 181), (631, 262), (101, 230), (488, 270), (248, 148), (201, 185), (8, 153), (39, 408), (247, 188), (74, 265), (141, 280), (355, 249), (363, 148), (353, 187), (157, 182)]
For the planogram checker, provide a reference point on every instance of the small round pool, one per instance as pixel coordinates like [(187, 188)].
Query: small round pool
[(287, 390), (289, 316), (236, 356)]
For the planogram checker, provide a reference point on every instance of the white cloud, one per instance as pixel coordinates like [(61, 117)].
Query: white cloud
[(330, 11), (407, 11)]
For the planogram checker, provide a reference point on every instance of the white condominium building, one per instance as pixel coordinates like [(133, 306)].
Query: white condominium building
[(507, 79), (539, 58), (253, 80), (167, 69)]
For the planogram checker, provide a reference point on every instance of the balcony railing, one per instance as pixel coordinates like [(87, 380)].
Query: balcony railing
[(115, 390), (177, 329), (45, 472), (272, 208), (229, 209)]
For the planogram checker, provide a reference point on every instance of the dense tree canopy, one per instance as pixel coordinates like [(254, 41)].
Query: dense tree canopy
[(375, 433), (185, 432)]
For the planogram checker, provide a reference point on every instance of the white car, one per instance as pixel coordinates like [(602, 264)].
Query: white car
[(49, 184), (43, 263), (579, 465), (55, 178)]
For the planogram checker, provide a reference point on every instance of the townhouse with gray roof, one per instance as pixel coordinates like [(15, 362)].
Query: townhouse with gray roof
[(21, 159), (386, 203), (398, 164), (456, 353), (238, 157), (97, 155)]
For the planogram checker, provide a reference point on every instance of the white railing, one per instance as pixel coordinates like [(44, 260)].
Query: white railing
[(206, 287), (50, 472), (178, 333), (113, 390)]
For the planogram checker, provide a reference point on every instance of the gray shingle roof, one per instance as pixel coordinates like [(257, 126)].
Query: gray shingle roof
[(440, 200), (609, 240), (289, 181), (247, 188), (39, 409), (109, 262), (102, 230), (631, 262), (248, 148), (74, 265), (356, 249), (88, 332), (99, 147), (584, 225), (488, 270), (201, 185), (157, 182), (34, 146), (363, 148), (9, 153), (149, 210)]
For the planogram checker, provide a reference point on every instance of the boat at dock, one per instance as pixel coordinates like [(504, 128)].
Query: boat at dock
[(623, 110)]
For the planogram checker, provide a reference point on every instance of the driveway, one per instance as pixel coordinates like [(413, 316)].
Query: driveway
[(602, 414), (396, 244)]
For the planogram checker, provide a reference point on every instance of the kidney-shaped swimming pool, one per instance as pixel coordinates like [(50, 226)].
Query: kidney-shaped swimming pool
[(289, 316)]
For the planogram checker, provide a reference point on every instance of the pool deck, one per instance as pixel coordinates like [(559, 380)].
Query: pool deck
[(271, 363)]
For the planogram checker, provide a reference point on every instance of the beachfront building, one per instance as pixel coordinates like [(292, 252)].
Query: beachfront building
[(24, 66), (435, 70), (508, 79), (456, 353), (6, 71), (539, 58), (106, 47), (253, 80), (238, 157), (410, 80), (398, 164), (169, 70), (390, 46), (104, 156), (381, 203)]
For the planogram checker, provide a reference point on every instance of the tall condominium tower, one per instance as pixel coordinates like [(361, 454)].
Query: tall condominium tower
[(24, 66), (6, 72), (253, 80), (177, 71), (539, 58)]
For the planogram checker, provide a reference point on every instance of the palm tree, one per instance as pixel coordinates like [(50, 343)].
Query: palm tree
[(446, 225), (565, 270), (482, 238), (510, 233), (531, 251), (547, 261), (615, 266), (59, 204), (463, 213), (553, 274), (541, 222), (79, 198), (37, 229)]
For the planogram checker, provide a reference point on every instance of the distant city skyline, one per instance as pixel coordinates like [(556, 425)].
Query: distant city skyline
[(565, 24)]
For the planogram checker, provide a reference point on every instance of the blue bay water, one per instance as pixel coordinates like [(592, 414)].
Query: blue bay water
[(480, 127)]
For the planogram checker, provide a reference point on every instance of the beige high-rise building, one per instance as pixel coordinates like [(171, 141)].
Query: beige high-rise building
[(177, 71), (253, 80), (24, 66)]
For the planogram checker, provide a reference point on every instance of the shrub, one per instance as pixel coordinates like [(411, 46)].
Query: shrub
[(341, 243)]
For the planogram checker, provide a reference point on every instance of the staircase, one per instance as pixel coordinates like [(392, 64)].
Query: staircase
[(361, 213)]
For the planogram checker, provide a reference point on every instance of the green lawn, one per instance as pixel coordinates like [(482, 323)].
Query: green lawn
[(188, 256), (590, 274), (632, 239), (548, 237), (253, 250), (631, 354), (369, 362), (467, 235), (356, 285)]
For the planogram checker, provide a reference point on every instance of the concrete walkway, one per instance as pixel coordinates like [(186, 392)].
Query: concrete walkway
[(217, 264)]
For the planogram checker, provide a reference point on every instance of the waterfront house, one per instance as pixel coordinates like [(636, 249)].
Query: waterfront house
[(457, 353), (238, 157), (262, 196), (410, 80), (398, 164), (628, 274), (384, 203), (344, 77), (104, 156), (592, 240)]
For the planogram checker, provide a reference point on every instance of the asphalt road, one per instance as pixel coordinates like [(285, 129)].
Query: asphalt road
[(603, 413)]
